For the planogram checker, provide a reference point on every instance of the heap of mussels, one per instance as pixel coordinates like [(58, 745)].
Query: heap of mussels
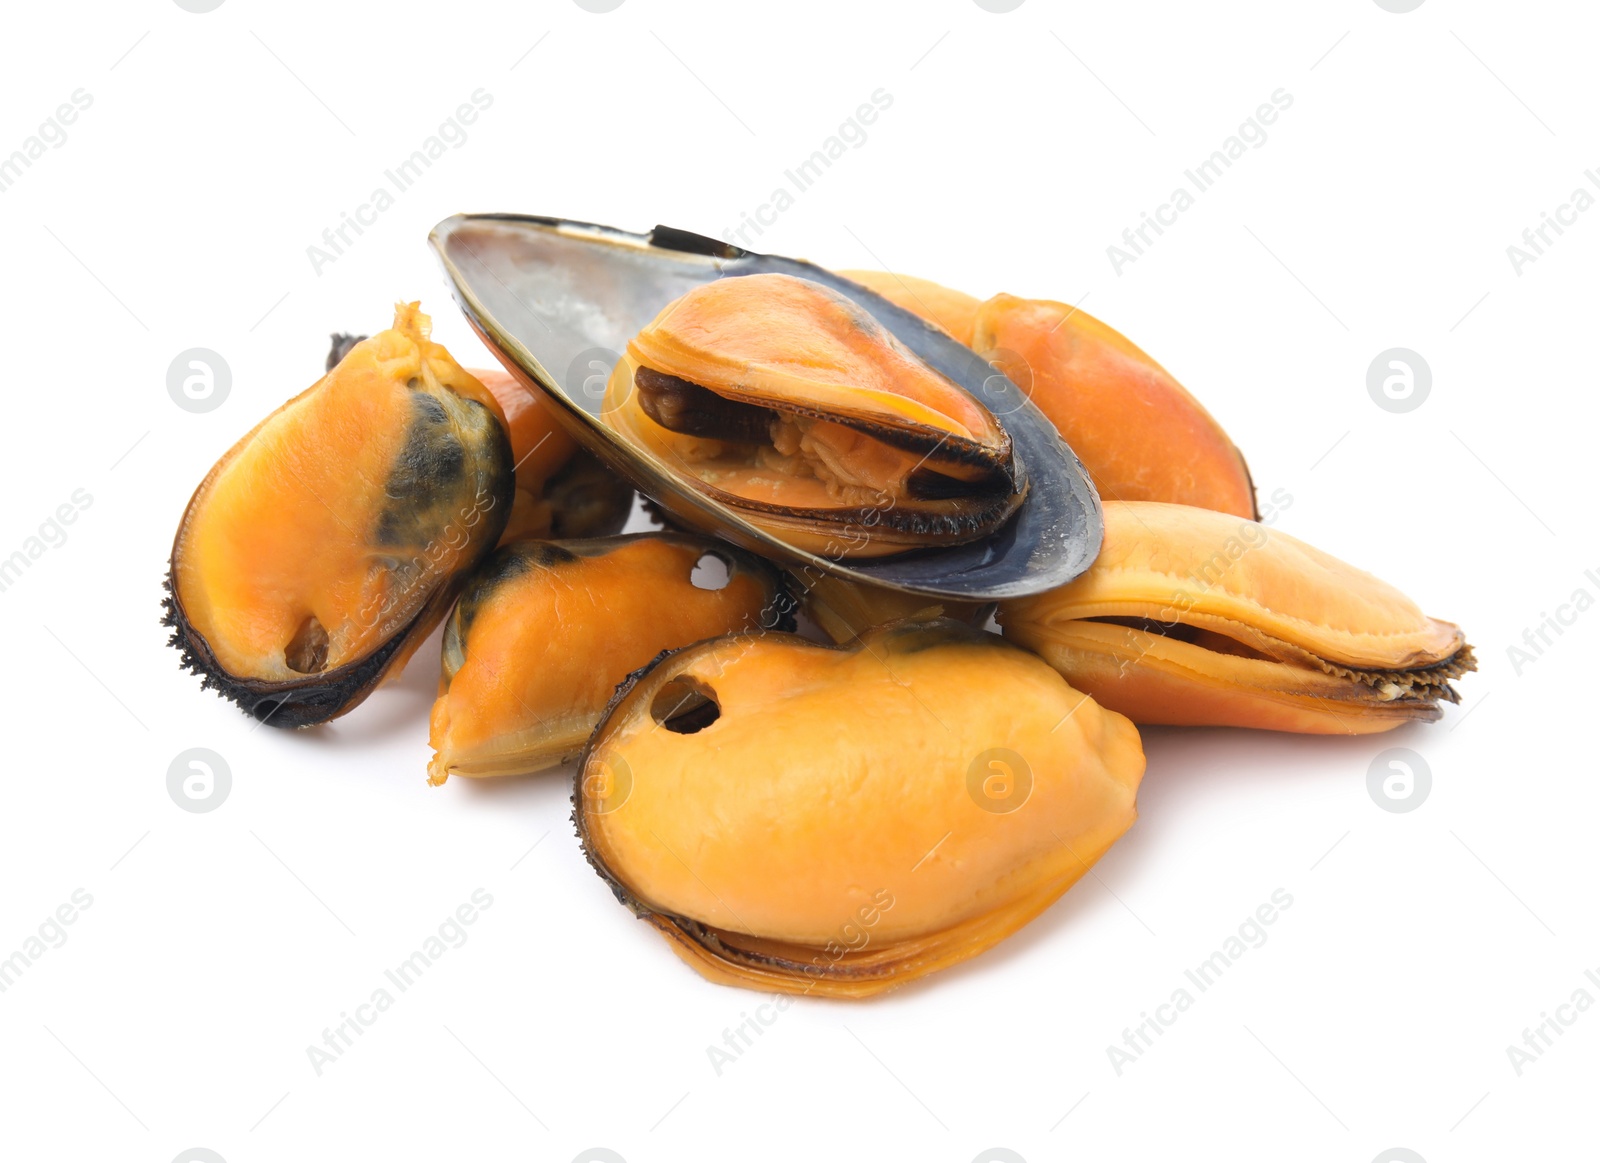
[(792, 813)]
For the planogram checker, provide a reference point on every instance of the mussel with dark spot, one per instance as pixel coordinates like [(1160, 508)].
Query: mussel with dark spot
[(324, 546), (562, 489)]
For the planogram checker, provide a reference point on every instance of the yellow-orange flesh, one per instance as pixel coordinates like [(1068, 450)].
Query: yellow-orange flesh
[(840, 821), (546, 630), (844, 423), (330, 525), (1140, 435), (1194, 617)]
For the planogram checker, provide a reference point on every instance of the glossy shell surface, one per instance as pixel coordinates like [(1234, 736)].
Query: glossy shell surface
[(558, 302)]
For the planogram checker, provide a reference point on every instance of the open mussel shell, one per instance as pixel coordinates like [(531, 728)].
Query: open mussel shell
[(789, 402), (558, 301)]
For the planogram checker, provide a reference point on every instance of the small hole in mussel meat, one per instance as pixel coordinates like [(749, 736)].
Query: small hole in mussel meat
[(685, 705), (307, 651), (711, 572)]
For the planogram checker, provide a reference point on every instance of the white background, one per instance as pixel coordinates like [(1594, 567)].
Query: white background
[(1017, 148)]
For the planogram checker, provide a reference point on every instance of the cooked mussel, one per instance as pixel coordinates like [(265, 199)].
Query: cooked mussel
[(1140, 434), (562, 490), (789, 402), (1195, 617), (325, 545), (558, 300), (545, 630), (810, 819)]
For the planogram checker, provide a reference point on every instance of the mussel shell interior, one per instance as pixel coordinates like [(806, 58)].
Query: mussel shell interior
[(558, 301)]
